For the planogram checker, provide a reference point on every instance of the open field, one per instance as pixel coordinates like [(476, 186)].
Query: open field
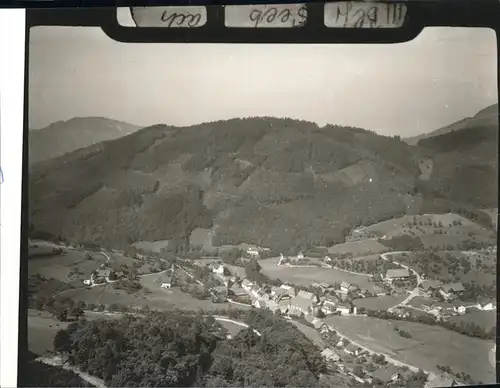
[(43, 327), (447, 266), (427, 347), (151, 246), (359, 248), (308, 276), (485, 319), (435, 230), (60, 266), (379, 302), (155, 298)]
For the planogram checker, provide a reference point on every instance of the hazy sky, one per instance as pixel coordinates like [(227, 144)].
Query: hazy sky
[(409, 88)]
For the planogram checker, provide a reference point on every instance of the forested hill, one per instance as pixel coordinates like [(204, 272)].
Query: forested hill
[(180, 349), (268, 181)]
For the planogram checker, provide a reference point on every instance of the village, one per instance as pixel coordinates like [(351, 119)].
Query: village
[(314, 304)]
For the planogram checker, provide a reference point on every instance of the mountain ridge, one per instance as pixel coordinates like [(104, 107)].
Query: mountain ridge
[(488, 115), (274, 182), (78, 132)]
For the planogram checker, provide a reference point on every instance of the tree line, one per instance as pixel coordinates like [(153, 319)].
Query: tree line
[(185, 349)]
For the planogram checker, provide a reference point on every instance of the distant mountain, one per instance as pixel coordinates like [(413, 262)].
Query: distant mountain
[(466, 160), (280, 183), (66, 136), (485, 117)]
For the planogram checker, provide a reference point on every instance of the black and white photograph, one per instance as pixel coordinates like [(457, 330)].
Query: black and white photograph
[(262, 215)]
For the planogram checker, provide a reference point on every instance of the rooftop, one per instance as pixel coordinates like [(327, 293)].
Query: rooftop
[(429, 284), (456, 287), (398, 273), (306, 295)]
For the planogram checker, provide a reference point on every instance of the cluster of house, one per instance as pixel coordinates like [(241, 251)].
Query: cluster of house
[(449, 291), (102, 275), (341, 353), (290, 301)]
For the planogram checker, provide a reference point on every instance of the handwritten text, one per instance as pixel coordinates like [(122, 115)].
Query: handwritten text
[(170, 17), (364, 15), (266, 16)]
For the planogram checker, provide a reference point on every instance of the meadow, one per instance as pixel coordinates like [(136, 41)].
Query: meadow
[(308, 276), (72, 267), (427, 347), (485, 319), (359, 248)]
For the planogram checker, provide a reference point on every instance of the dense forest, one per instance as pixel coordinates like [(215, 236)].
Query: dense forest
[(187, 349)]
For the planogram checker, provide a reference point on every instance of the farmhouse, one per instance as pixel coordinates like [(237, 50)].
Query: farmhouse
[(307, 295), (271, 305), (289, 289), (329, 304), (430, 286), (103, 273), (397, 274), (284, 306), (166, 281), (347, 287), (246, 285), (300, 305), (343, 309), (262, 294), (328, 259), (452, 290), (330, 355), (352, 350), (318, 323), (236, 290), (218, 269), (253, 252)]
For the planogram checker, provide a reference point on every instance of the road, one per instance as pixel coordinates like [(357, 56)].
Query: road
[(415, 291)]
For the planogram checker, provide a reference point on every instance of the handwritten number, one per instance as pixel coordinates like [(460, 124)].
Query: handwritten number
[(255, 16)]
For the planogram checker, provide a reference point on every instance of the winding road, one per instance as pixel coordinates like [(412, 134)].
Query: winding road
[(415, 291)]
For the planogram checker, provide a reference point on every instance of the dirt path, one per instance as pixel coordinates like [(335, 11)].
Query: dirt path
[(57, 361)]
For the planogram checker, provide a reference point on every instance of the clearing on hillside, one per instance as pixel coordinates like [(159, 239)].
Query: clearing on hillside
[(445, 231), (72, 267), (359, 248)]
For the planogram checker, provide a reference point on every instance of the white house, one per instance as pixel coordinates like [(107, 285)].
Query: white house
[(166, 282), (330, 355), (87, 282), (218, 269), (343, 309), (328, 259), (253, 252), (461, 310), (246, 285), (489, 307), (300, 255)]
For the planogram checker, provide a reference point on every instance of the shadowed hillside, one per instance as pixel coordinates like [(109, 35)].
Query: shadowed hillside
[(275, 182), (487, 117)]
